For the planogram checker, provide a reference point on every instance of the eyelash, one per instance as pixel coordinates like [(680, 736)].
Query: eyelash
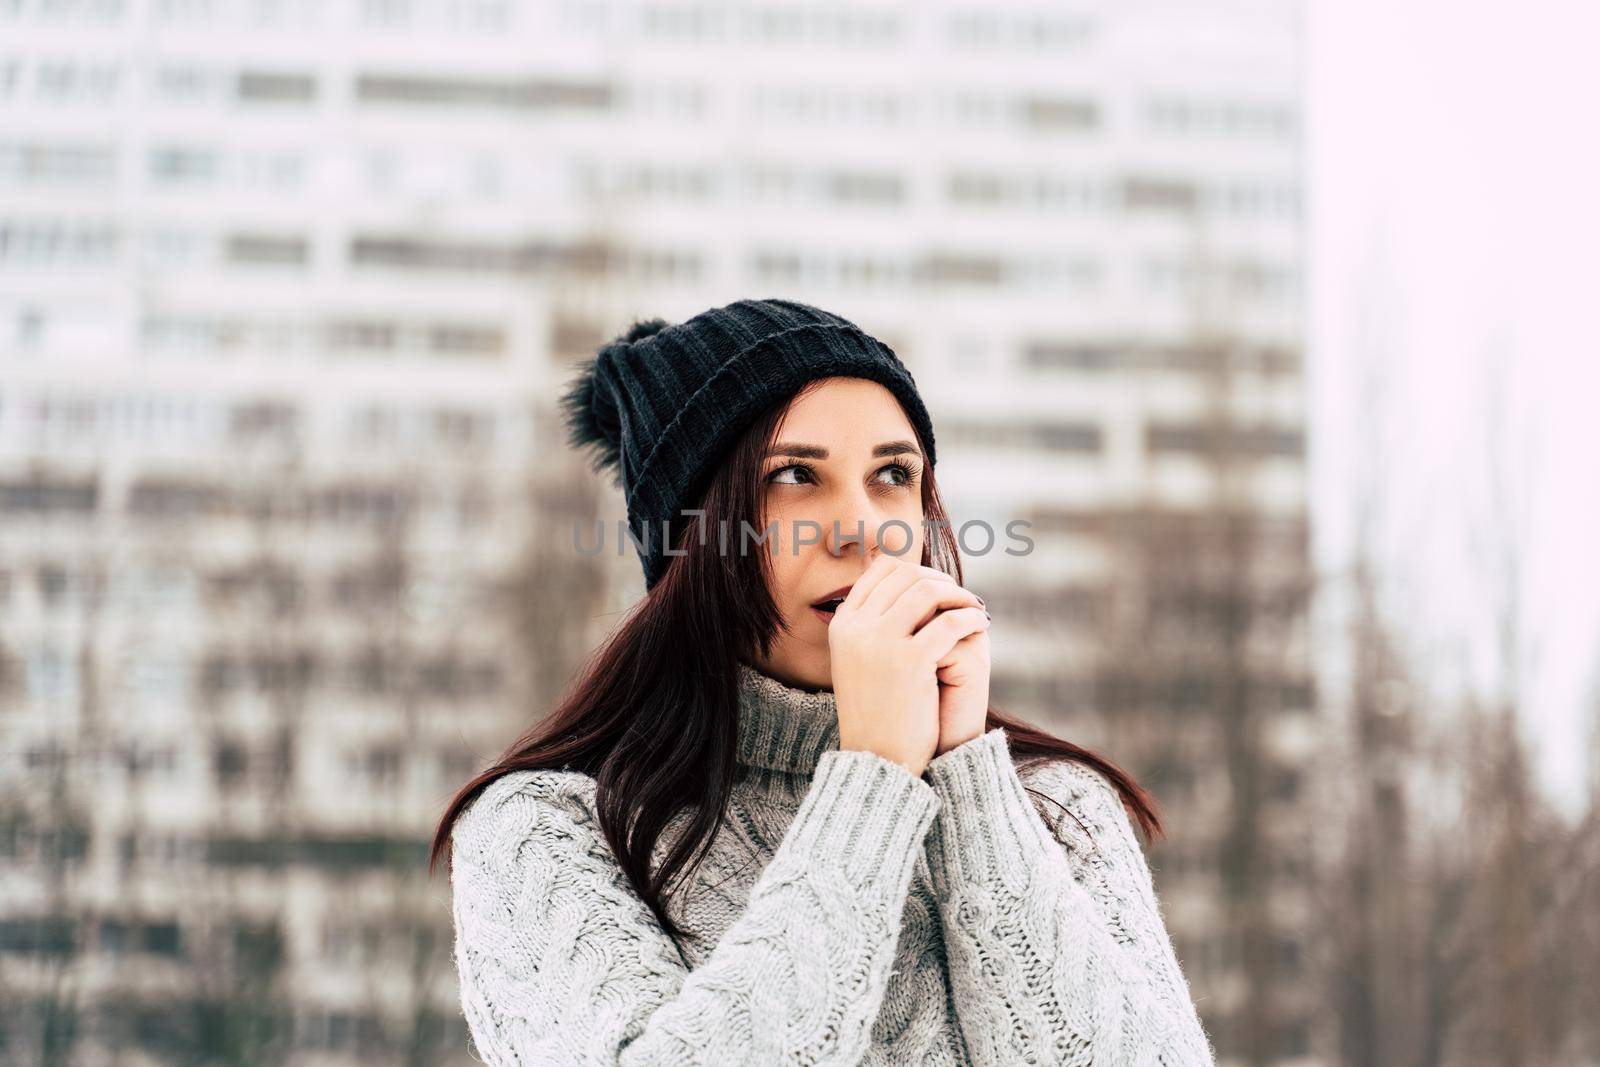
[(908, 471)]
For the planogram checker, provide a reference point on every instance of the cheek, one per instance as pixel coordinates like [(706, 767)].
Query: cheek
[(909, 513), (786, 563), (798, 532), (788, 575)]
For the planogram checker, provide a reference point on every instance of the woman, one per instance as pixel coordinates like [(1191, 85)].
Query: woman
[(761, 831)]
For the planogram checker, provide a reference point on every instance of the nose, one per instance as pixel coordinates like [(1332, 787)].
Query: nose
[(855, 528), (846, 536)]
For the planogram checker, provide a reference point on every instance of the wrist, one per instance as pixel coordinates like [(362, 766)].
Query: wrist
[(957, 741)]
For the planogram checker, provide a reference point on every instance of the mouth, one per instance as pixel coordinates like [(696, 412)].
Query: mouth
[(830, 603)]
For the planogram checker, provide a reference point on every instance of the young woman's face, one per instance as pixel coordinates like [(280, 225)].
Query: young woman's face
[(844, 455)]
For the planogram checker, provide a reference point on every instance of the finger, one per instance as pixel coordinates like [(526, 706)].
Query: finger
[(962, 650), (894, 585), (935, 640), (889, 588), (922, 601), (876, 571)]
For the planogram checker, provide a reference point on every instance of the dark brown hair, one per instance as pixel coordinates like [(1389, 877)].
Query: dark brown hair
[(653, 713)]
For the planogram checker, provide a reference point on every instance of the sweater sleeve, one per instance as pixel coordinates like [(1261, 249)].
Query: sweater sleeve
[(1061, 955), (561, 962)]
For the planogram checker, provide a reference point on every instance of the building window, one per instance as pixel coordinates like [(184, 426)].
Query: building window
[(1022, 433), (1260, 441), (276, 86), (1058, 113), (1068, 355), (183, 164), (535, 95), (1145, 193), (266, 249)]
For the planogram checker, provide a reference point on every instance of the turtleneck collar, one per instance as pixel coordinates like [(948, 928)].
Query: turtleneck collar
[(782, 728)]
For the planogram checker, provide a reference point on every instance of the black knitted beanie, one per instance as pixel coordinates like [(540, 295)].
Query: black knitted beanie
[(661, 403)]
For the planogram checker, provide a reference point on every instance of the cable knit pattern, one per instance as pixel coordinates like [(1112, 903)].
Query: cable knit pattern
[(823, 911), (1056, 955)]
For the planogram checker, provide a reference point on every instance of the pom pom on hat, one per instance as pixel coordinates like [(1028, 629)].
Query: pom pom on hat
[(589, 408)]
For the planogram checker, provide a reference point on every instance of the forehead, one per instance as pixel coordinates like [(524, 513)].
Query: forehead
[(844, 409)]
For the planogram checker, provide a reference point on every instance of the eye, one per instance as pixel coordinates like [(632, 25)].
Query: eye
[(906, 473), (773, 477)]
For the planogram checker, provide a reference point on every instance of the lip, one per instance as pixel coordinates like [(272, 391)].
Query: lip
[(843, 590)]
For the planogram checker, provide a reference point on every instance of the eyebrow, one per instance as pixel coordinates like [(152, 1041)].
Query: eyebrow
[(888, 448)]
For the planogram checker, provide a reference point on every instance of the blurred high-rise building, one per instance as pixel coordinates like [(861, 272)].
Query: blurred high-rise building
[(288, 289)]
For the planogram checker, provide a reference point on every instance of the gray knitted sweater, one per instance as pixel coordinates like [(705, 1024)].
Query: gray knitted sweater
[(850, 913)]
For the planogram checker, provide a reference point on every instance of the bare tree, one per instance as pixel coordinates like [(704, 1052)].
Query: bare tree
[(1455, 900)]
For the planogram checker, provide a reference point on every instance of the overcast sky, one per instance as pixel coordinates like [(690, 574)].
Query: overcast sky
[(1454, 178)]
